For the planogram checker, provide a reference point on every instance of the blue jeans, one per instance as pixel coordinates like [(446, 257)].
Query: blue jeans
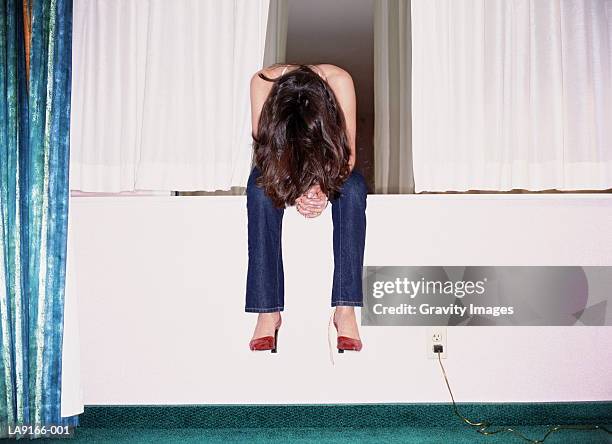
[(265, 281)]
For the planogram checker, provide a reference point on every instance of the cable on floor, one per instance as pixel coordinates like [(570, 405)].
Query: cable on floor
[(484, 425)]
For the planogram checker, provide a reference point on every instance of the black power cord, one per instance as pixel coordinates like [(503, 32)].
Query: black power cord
[(484, 425)]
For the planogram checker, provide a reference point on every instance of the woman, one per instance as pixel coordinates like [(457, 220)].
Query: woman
[(303, 119)]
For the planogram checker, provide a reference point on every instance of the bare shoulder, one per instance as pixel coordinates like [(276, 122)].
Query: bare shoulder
[(340, 81), (260, 88), (271, 72), (334, 73), (259, 85)]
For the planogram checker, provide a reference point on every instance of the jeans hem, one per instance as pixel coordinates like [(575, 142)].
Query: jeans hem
[(347, 303), (263, 310)]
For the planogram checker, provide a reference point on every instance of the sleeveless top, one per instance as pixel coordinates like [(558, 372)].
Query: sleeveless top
[(315, 70)]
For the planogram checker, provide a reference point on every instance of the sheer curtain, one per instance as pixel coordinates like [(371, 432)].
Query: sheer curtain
[(161, 93), (392, 98), (512, 94), (275, 51)]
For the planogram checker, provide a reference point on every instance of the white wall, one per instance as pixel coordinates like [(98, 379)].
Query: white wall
[(161, 294)]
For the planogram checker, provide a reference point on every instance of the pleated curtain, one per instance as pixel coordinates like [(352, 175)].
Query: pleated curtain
[(161, 96), (392, 98), (34, 168), (512, 94)]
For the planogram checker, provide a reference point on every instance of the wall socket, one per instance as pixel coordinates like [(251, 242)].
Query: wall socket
[(436, 336)]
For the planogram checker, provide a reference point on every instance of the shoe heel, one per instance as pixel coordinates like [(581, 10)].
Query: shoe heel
[(340, 350), (275, 341)]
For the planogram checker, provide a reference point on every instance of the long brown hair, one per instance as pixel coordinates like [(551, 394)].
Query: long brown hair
[(301, 138)]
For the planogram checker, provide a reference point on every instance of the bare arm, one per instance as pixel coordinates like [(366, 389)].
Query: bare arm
[(260, 89), (344, 89)]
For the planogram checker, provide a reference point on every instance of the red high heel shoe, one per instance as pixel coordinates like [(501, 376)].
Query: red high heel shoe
[(266, 343), (346, 343)]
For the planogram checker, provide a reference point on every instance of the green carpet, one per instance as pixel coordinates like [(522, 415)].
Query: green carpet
[(388, 423)]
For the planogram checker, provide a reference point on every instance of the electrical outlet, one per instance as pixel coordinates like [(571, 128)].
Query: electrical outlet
[(436, 336)]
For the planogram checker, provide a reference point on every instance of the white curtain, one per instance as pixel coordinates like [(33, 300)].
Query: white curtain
[(160, 97), (512, 94), (392, 98)]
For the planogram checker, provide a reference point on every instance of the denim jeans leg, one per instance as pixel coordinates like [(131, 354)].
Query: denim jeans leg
[(265, 280), (349, 219)]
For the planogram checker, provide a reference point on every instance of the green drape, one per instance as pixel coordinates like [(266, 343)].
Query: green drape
[(34, 193)]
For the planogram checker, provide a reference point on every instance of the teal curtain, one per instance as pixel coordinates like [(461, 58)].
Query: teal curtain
[(34, 193)]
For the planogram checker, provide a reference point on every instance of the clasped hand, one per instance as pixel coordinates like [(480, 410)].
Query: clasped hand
[(312, 202)]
